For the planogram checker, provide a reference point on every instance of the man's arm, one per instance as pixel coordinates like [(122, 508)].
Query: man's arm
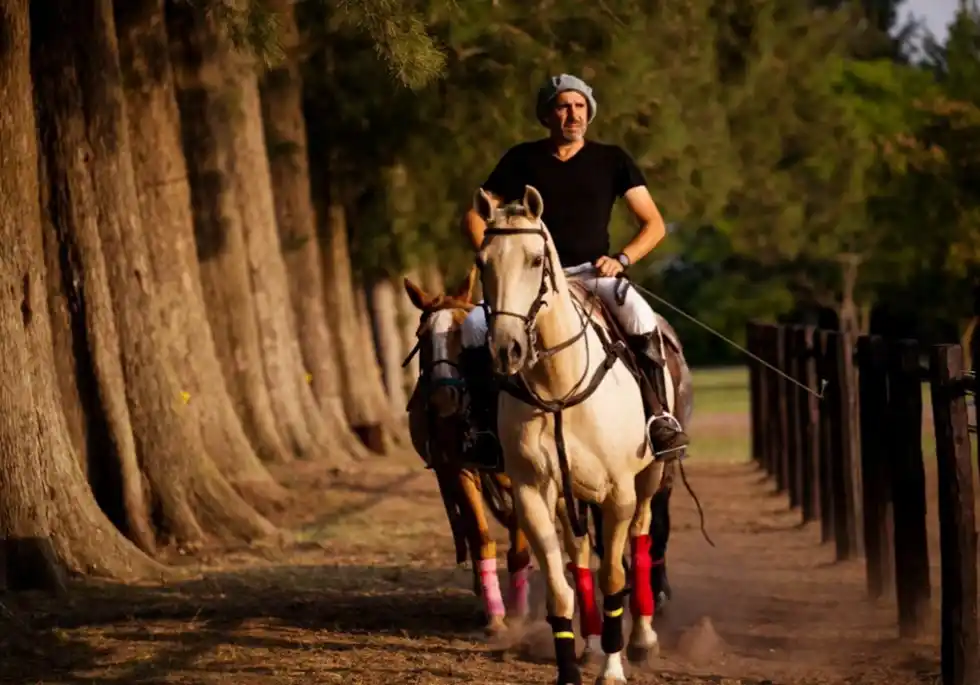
[(652, 228)]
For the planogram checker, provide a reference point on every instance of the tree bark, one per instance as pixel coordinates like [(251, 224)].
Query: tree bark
[(208, 144), (49, 520), (408, 321), (396, 422), (165, 209), (282, 115), (292, 398), (391, 352), (83, 108)]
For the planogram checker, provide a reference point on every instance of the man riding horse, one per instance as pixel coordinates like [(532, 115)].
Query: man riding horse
[(579, 181)]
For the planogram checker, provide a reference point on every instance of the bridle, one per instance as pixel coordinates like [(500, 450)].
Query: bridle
[(548, 285), (429, 384)]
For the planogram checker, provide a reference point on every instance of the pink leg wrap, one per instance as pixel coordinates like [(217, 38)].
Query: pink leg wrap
[(585, 591), (492, 599), (520, 588), (641, 598)]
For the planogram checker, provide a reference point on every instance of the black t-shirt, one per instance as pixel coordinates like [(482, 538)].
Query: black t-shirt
[(578, 193)]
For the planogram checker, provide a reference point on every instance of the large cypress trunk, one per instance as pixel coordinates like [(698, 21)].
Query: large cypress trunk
[(165, 209), (390, 351), (208, 146), (49, 520), (285, 135), (82, 108)]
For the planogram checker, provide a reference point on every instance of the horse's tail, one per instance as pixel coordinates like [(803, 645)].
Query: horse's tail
[(499, 498)]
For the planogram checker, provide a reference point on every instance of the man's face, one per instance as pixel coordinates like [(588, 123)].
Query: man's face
[(569, 116)]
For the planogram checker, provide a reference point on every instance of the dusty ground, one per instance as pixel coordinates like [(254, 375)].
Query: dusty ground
[(370, 595)]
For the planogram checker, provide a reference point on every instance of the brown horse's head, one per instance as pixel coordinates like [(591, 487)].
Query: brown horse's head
[(440, 343)]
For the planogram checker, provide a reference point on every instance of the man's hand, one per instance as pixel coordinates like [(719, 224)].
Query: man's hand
[(608, 266)]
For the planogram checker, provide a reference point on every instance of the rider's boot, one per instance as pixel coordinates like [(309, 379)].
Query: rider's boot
[(666, 433), (483, 447)]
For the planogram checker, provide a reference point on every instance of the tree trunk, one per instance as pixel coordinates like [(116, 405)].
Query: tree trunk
[(391, 352), (83, 108), (165, 210), (341, 305), (110, 456), (49, 520), (396, 422), (208, 146), (408, 322), (292, 398), (282, 114)]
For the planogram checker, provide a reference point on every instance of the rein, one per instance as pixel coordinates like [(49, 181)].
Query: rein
[(519, 388)]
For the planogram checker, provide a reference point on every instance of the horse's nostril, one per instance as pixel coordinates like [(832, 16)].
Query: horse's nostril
[(515, 352)]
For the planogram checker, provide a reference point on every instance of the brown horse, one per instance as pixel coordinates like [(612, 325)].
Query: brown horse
[(437, 425)]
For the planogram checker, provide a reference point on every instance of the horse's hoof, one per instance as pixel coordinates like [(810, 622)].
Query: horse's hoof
[(609, 680), (638, 654), (496, 626)]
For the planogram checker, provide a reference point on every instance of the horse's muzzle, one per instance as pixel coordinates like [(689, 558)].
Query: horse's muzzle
[(510, 357)]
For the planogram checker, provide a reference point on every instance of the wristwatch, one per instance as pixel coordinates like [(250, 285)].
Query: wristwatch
[(623, 259)]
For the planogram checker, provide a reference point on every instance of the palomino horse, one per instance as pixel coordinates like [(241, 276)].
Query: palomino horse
[(437, 421), (572, 426), (437, 424)]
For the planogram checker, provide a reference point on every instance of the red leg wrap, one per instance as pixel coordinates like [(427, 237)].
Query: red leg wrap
[(641, 597)]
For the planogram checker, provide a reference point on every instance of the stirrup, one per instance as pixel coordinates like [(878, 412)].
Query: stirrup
[(673, 422)]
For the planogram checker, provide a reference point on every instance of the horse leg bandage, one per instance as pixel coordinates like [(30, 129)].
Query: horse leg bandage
[(641, 597), (612, 623), (568, 670), (492, 599), (520, 588), (585, 591)]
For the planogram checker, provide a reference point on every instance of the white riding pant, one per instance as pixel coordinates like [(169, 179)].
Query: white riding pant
[(635, 315)]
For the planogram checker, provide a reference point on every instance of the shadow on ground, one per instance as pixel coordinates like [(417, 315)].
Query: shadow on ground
[(308, 607)]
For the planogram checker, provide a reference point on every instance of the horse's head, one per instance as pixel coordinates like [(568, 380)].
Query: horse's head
[(440, 342), (518, 267)]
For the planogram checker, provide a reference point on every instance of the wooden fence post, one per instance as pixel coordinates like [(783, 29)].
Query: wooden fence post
[(957, 521), (774, 408), (825, 372), (755, 392), (794, 464), (779, 410), (766, 430), (877, 490), (843, 478), (908, 486), (809, 409)]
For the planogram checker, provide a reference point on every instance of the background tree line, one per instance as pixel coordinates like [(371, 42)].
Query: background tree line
[(207, 207)]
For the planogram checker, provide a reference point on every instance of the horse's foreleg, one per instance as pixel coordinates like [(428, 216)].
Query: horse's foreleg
[(617, 513), (536, 514), (485, 561), (580, 554), (643, 638), (519, 568)]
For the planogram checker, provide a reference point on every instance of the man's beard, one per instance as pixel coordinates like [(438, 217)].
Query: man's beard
[(573, 135)]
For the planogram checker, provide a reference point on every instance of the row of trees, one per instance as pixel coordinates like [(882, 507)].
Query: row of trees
[(206, 208), (178, 303)]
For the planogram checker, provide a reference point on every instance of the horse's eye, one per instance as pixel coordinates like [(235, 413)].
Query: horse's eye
[(537, 261)]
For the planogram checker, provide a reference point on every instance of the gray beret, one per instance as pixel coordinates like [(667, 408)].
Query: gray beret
[(559, 84)]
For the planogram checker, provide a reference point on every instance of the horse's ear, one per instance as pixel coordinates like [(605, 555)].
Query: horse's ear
[(418, 296), (482, 204), (464, 292), (533, 202)]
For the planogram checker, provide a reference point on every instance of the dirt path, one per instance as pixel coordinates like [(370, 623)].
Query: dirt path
[(371, 596)]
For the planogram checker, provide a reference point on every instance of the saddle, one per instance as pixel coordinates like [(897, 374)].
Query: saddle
[(609, 322)]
